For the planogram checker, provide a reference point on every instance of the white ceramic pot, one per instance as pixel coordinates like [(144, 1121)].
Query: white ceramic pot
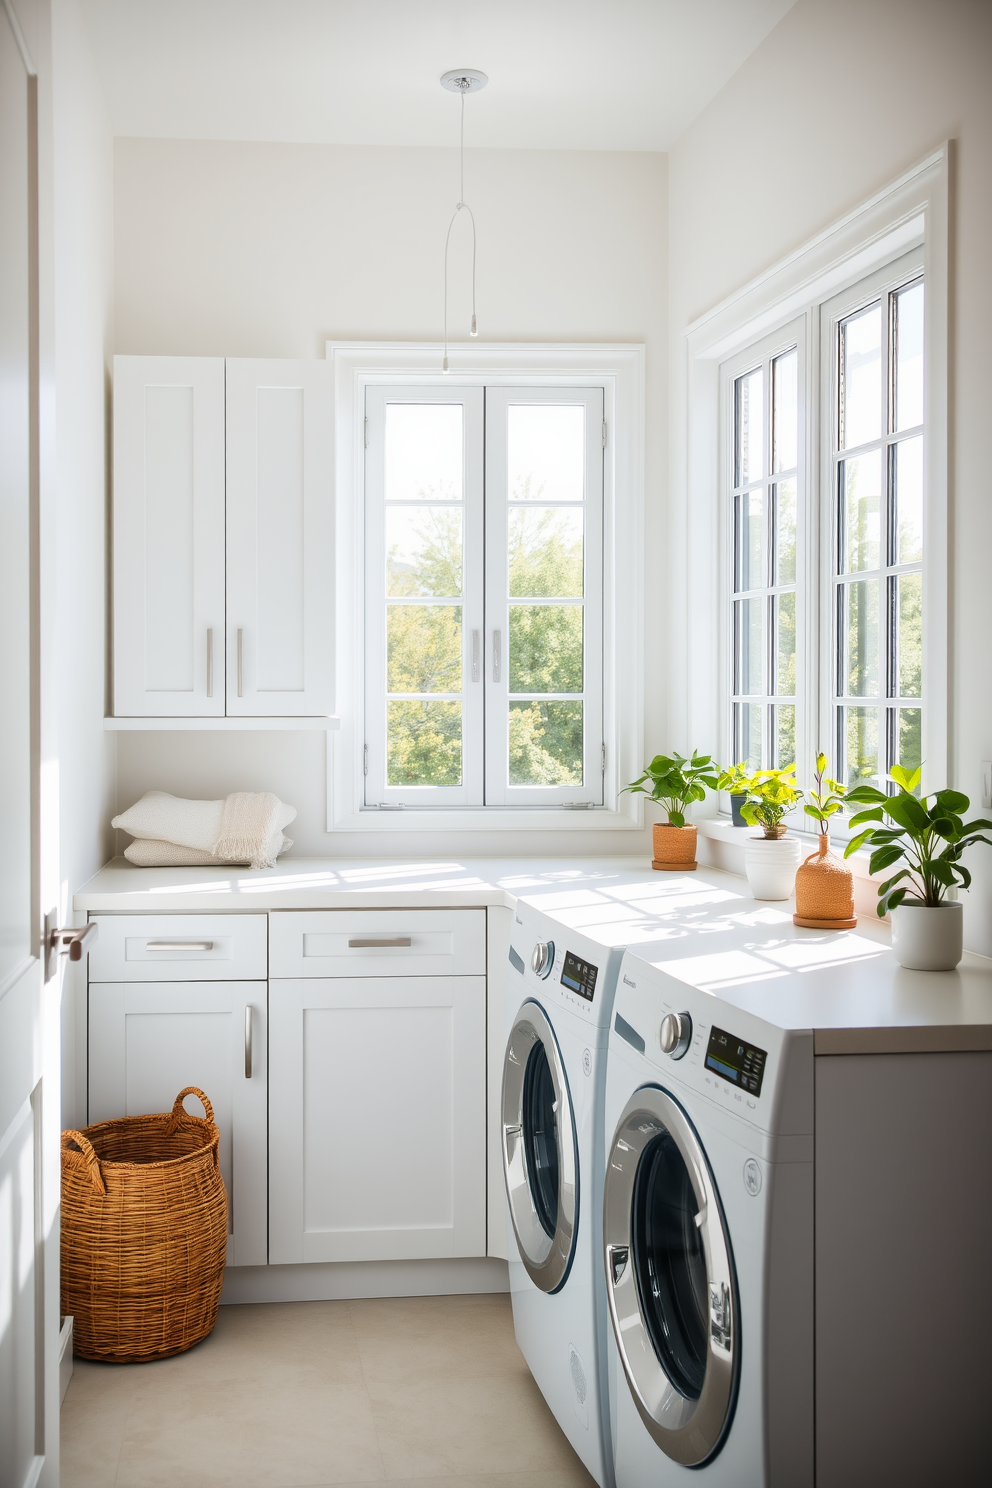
[(927, 937), (770, 864)]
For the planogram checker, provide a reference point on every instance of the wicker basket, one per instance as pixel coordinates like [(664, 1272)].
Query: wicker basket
[(144, 1233)]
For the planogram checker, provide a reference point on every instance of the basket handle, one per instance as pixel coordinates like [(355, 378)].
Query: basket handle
[(92, 1161), (178, 1110)]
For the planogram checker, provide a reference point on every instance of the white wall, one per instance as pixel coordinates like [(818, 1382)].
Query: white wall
[(82, 159), (269, 250), (835, 103)]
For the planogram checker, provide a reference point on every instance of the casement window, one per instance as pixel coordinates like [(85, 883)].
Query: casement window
[(766, 519), (824, 466), (875, 475), (483, 596)]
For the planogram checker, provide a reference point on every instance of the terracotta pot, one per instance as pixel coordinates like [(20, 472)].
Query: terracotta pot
[(674, 848), (927, 937), (824, 891)]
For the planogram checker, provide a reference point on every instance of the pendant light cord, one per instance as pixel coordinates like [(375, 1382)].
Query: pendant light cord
[(462, 203)]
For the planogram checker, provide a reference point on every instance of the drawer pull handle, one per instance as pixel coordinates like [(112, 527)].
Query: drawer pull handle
[(248, 1041), (179, 945), (361, 944)]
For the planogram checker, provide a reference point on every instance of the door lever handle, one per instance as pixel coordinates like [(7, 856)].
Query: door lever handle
[(67, 939)]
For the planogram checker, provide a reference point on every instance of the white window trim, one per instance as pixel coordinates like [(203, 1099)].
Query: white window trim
[(619, 370), (911, 213)]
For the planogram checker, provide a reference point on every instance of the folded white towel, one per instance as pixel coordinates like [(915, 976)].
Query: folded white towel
[(145, 852), (244, 828)]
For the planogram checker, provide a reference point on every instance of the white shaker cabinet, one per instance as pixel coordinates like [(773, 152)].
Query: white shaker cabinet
[(377, 1120), (148, 1040), (280, 586), (223, 538), (177, 1000), (169, 556)]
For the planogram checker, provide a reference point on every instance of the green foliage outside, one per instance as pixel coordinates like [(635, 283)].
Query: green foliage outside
[(545, 648)]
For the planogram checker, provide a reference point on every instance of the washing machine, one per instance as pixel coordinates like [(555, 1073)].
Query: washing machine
[(707, 1240), (567, 940), (796, 1207)]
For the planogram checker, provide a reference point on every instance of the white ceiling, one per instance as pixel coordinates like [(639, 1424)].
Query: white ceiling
[(564, 74)]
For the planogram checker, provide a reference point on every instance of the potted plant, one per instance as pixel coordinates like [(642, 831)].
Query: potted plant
[(770, 861), (675, 782), (824, 887), (928, 836), (735, 781)]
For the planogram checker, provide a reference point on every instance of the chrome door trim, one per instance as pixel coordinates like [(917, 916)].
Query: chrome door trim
[(688, 1431), (547, 1258)]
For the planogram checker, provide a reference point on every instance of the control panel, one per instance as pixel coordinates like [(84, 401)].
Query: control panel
[(735, 1060), (579, 976)]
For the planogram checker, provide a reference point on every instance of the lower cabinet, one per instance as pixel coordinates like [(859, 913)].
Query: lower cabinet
[(149, 1040), (377, 1118)]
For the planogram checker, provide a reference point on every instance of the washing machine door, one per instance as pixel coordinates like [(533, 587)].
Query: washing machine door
[(670, 1278), (540, 1157)]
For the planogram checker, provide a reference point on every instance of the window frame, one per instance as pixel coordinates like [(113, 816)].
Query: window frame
[(619, 371), (909, 214), (896, 275)]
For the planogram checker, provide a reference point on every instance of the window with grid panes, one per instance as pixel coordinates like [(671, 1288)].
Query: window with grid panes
[(484, 596), (877, 560), (765, 528)]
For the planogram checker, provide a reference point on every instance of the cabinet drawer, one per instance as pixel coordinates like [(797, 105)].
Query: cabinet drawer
[(378, 942), (179, 948)]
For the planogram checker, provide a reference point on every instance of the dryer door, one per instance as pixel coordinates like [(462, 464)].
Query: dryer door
[(540, 1157), (670, 1279)]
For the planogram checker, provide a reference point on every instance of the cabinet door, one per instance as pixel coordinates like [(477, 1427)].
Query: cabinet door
[(280, 585), (168, 536), (377, 1123), (146, 1041)]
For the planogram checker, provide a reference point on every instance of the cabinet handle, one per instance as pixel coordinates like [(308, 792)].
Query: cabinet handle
[(398, 940), (497, 653), (475, 656), (248, 1041), (210, 663), (179, 945), (241, 662)]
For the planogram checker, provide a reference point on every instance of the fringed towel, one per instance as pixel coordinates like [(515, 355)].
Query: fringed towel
[(246, 828)]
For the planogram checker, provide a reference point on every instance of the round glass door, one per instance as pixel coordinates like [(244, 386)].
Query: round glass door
[(670, 1279), (540, 1160)]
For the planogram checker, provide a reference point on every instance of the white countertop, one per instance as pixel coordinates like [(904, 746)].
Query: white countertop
[(703, 928)]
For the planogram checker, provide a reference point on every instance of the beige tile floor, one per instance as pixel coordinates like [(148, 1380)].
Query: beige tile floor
[(426, 1390)]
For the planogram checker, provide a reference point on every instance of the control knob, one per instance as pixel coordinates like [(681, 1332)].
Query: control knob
[(542, 956), (676, 1033)]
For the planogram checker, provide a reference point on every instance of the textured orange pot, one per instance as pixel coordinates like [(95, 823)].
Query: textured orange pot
[(674, 848), (824, 891)]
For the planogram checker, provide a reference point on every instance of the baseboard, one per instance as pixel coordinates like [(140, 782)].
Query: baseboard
[(65, 1356), (331, 1280)]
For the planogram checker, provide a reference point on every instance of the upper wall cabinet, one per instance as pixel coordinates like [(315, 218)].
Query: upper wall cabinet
[(169, 536), (223, 538)]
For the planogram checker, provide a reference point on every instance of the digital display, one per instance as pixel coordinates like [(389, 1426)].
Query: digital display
[(736, 1061), (578, 976)]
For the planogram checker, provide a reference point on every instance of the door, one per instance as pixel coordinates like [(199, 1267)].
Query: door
[(168, 537), (540, 1152), (149, 1040), (670, 1279), (29, 1074), (280, 548), (377, 1121)]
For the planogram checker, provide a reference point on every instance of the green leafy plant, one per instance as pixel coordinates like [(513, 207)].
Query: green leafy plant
[(735, 779), (674, 781), (771, 794), (927, 834), (827, 796)]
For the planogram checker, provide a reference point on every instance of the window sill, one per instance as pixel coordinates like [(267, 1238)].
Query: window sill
[(487, 819), (721, 829)]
